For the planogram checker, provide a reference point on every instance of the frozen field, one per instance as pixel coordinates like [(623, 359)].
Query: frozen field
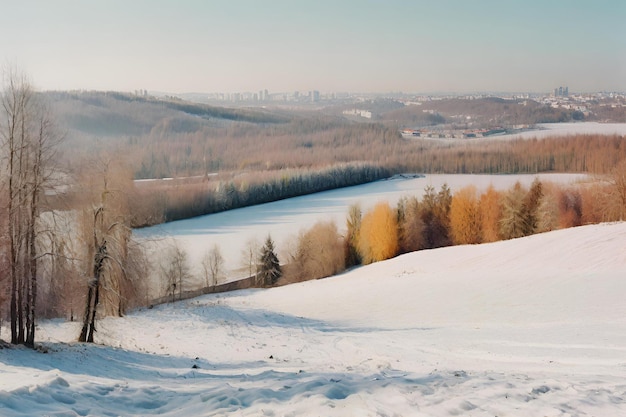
[(528, 327), (548, 130)]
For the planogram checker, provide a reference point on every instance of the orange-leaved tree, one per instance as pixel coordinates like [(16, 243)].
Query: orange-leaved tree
[(490, 214), (465, 217), (378, 239)]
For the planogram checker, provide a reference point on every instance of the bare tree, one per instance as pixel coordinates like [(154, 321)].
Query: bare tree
[(212, 265), (175, 271), (107, 238), (250, 255), (29, 139)]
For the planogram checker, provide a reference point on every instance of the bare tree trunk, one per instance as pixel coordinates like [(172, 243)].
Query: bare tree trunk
[(94, 310), (86, 321), (93, 296)]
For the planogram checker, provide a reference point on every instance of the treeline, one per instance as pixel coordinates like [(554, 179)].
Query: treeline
[(159, 202), (575, 153), (441, 218)]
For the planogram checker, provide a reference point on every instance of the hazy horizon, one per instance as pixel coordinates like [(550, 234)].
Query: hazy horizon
[(348, 46)]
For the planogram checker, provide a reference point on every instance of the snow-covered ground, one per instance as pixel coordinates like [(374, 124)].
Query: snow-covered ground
[(283, 220), (528, 327), (547, 130)]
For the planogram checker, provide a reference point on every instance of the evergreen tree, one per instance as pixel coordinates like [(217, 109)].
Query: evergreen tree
[(269, 268)]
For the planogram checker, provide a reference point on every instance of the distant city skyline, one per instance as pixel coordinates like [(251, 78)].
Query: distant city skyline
[(317, 45)]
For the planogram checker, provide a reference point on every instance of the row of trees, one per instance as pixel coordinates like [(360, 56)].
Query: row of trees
[(162, 201), (441, 218), (172, 200), (176, 276)]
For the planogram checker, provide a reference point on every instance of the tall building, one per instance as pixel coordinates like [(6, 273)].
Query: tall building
[(561, 92)]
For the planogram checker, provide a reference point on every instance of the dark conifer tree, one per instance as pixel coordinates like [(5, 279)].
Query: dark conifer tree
[(269, 268)]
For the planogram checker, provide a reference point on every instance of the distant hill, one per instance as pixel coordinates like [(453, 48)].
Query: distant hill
[(108, 114)]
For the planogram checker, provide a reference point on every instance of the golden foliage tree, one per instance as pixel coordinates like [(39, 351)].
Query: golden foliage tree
[(465, 217), (378, 239), (490, 214)]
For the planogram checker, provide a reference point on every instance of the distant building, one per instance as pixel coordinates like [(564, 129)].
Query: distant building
[(561, 92), (358, 112)]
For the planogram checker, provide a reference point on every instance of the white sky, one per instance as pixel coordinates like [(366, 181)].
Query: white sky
[(282, 45)]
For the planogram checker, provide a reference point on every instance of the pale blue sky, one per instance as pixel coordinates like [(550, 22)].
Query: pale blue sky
[(326, 45)]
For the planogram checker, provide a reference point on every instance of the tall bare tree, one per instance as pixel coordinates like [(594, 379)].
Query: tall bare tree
[(107, 242), (29, 139)]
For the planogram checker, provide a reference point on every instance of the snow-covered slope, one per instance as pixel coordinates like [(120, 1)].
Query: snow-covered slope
[(527, 327)]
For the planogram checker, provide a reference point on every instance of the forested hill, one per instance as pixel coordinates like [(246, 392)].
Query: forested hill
[(107, 114), (169, 137)]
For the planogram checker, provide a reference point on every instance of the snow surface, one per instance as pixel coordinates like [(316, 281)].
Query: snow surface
[(527, 327), (548, 130)]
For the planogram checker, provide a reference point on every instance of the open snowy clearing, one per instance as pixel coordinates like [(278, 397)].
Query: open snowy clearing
[(527, 327)]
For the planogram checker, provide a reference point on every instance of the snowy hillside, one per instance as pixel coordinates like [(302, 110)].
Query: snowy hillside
[(528, 327)]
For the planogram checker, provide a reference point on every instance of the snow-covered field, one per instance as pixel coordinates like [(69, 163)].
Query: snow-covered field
[(547, 130), (528, 327), (283, 220)]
